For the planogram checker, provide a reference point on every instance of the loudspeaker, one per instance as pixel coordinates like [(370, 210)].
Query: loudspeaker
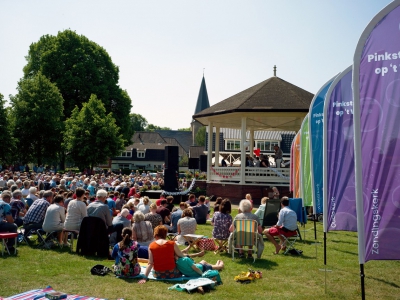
[(203, 163), (171, 157), (193, 163), (170, 180)]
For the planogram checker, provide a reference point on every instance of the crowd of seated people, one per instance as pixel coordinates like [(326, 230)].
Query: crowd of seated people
[(59, 203)]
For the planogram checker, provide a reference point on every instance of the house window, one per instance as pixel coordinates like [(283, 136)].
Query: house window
[(140, 154), (124, 166), (266, 145), (126, 154), (232, 145)]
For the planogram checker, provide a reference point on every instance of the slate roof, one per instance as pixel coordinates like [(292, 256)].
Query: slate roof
[(271, 95), (184, 138), (143, 140)]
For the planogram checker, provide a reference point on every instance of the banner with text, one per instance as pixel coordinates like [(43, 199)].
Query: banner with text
[(305, 171), (296, 166), (376, 82), (339, 178), (316, 142)]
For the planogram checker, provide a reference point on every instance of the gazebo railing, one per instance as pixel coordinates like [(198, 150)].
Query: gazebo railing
[(253, 175)]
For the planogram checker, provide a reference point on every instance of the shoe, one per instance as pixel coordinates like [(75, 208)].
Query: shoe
[(241, 255), (250, 256)]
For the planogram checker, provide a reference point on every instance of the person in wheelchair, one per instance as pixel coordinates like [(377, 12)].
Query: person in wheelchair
[(286, 225)]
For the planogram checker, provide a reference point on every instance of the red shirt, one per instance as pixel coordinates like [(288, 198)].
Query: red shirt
[(163, 256)]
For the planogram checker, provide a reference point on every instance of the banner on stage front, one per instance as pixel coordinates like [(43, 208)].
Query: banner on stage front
[(338, 150), (305, 171), (376, 83)]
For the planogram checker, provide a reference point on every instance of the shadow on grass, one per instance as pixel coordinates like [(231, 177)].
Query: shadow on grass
[(386, 282), (343, 242), (344, 251)]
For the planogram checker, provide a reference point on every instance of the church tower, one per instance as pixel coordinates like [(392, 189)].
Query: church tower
[(202, 104)]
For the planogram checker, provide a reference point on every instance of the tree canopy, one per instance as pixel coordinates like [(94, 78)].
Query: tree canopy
[(152, 127), (92, 136), (37, 114), (138, 122), (80, 67), (7, 148)]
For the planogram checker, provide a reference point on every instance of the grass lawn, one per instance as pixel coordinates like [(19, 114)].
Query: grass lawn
[(284, 277)]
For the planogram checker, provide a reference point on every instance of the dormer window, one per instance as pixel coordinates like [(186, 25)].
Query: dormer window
[(140, 153)]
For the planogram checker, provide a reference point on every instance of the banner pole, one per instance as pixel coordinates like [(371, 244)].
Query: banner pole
[(315, 226), (325, 249), (362, 275)]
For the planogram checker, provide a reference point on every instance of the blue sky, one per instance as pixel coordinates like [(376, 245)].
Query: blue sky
[(161, 47)]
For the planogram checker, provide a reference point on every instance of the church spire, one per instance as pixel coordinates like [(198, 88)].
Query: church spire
[(202, 99)]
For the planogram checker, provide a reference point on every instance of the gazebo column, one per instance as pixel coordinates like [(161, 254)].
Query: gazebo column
[(216, 164), (243, 152), (209, 150), (251, 141)]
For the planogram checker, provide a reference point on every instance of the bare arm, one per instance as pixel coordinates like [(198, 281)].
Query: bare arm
[(148, 268), (197, 270)]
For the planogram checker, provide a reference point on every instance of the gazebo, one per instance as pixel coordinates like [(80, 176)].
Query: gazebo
[(272, 105)]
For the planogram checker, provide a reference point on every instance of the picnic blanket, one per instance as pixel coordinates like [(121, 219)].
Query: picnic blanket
[(151, 276), (39, 294)]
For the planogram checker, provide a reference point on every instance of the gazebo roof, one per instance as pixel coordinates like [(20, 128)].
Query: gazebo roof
[(273, 104)]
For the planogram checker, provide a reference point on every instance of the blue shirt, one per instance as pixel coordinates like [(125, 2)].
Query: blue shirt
[(5, 210), (111, 205)]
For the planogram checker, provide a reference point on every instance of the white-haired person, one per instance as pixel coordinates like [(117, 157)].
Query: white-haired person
[(245, 208), (92, 188), (32, 193), (99, 209), (142, 231), (62, 186)]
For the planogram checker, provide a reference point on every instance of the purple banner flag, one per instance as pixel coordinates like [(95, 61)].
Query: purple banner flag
[(376, 83), (339, 178)]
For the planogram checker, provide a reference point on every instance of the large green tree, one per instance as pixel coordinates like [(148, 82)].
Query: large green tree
[(200, 137), (91, 135), (80, 67), (37, 114), (7, 149), (138, 122)]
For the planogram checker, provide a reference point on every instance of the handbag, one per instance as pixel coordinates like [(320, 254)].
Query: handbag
[(100, 270), (207, 244)]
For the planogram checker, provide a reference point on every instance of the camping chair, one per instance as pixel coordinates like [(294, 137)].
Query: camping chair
[(289, 241), (271, 211), (93, 237), (244, 236)]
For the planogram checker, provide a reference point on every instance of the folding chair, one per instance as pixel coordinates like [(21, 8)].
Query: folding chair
[(49, 238), (222, 245), (245, 236), (289, 241), (71, 234), (4, 238)]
